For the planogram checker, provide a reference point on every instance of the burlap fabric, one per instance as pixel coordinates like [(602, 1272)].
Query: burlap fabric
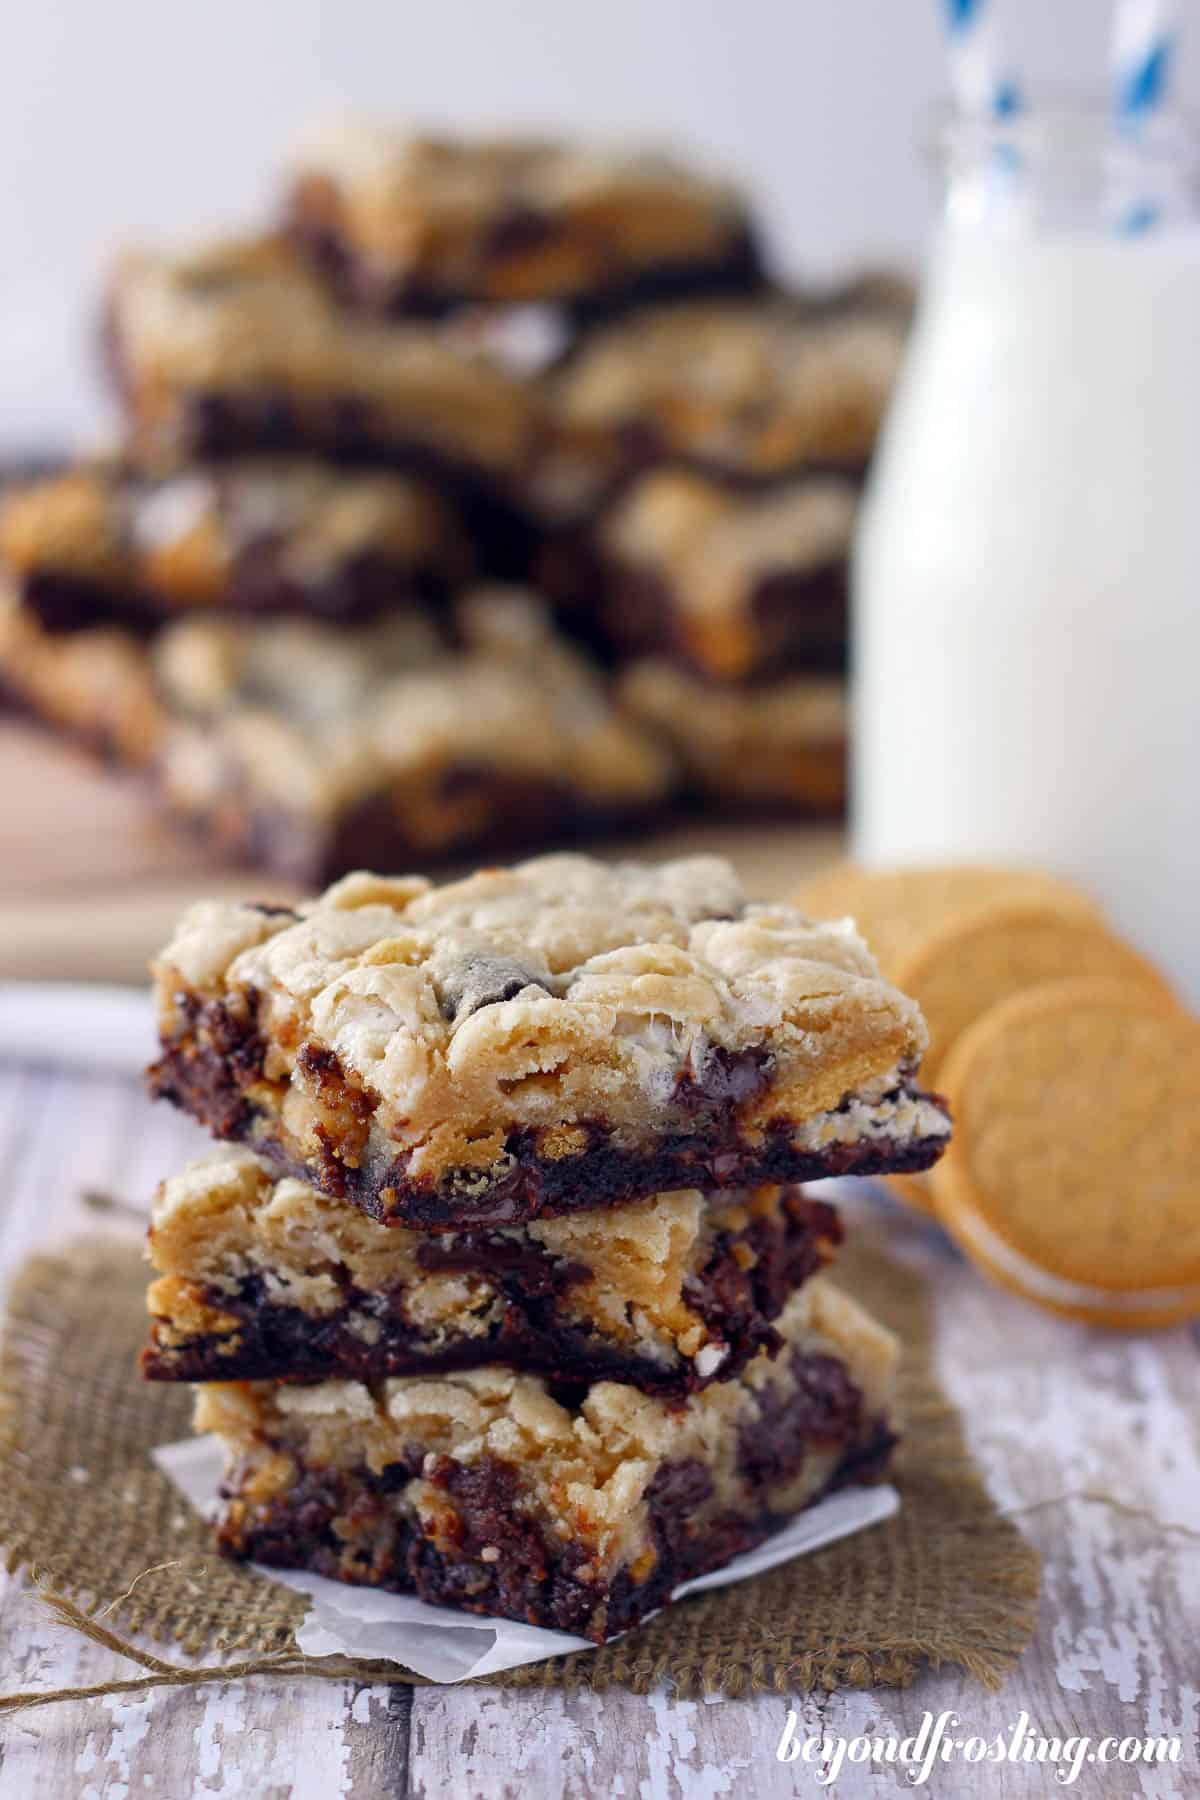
[(948, 1581)]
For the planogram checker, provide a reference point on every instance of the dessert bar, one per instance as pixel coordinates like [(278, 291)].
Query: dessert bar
[(730, 584), (420, 223), (96, 686), (265, 1277), (103, 544), (239, 346), (752, 389), (583, 1510), (541, 1039), (778, 745), (310, 749)]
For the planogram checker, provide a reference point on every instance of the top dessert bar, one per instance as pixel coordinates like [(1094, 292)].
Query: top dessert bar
[(541, 1039), (241, 346), (257, 535), (415, 223), (748, 388)]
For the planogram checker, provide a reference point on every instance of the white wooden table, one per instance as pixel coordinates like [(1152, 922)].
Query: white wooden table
[(1054, 1411)]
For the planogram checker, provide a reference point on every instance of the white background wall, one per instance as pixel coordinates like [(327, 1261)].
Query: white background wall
[(126, 119)]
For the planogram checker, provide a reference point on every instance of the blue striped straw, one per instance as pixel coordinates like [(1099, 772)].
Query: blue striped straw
[(1143, 47), (986, 94), (982, 90)]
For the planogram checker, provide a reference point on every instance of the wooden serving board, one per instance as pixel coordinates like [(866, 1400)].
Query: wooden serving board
[(91, 882)]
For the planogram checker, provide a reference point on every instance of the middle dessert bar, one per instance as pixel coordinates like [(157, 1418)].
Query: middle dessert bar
[(543, 1039), (260, 1277)]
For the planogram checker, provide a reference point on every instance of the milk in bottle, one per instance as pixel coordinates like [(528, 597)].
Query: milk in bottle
[(1027, 572)]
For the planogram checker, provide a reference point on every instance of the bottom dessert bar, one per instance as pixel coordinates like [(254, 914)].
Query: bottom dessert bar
[(266, 1278), (579, 1509)]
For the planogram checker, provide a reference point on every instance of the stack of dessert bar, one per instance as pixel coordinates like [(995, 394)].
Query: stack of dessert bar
[(501, 1290), (697, 513), (451, 365)]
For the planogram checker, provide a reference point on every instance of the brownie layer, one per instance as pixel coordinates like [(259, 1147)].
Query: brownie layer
[(362, 589), (578, 1510), (269, 1280), (556, 1036)]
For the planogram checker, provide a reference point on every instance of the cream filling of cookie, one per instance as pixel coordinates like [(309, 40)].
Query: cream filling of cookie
[(584, 1473), (1140, 1310)]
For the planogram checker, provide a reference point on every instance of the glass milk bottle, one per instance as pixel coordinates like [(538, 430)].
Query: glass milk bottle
[(1027, 571)]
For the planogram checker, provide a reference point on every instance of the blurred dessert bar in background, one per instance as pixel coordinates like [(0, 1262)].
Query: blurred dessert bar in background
[(309, 748), (108, 544), (314, 752), (413, 223), (753, 389), (777, 745), (731, 585), (241, 346), (278, 592)]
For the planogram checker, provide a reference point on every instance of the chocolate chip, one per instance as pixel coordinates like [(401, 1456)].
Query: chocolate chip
[(523, 1269), (477, 979), (822, 1405), (723, 1078)]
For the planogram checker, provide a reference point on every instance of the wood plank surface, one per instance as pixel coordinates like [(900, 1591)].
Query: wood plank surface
[(1094, 1441)]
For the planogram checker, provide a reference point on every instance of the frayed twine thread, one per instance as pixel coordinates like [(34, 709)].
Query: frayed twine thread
[(167, 1674)]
